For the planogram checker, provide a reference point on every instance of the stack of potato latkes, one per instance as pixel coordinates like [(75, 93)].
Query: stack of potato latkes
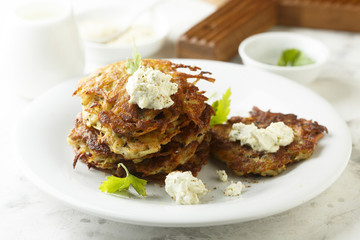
[(150, 143)]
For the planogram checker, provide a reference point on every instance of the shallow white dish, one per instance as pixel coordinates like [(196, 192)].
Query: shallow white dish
[(99, 54), (46, 158), (263, 51)]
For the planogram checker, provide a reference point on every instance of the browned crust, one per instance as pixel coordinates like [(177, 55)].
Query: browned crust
[(194, 156), (175, 153), (106, 88), (181, 130), (243, 160)]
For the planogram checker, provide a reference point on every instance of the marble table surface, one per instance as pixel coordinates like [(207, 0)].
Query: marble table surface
[(28, 213)]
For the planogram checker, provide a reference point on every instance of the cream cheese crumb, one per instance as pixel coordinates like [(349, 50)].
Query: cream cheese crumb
[(262, 139), (151, 89), (184, 188), (222, 175), (234, 189)]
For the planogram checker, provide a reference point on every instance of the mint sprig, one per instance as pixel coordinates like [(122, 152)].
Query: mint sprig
[(294, 57)]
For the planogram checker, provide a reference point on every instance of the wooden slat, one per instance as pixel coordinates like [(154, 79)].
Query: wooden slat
[(218, 36)]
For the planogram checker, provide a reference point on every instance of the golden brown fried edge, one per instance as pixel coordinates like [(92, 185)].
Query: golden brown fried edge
[(243, 160)]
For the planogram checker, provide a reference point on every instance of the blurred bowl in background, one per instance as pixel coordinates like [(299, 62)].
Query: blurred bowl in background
[(40, 47), (148, 33), (264, 50)]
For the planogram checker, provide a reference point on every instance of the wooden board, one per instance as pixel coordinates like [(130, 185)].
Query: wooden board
[(326, 14), (219, 35)]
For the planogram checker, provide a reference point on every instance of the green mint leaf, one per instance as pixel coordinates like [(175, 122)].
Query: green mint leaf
[(294, 57), (303, 60), (288, 57), (133, 64), (221, 108), (113, 184)]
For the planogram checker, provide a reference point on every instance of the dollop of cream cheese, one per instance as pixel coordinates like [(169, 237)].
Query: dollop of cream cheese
[(234, 189), (184, 188), (222, 175), (151, 89), (262, 139)]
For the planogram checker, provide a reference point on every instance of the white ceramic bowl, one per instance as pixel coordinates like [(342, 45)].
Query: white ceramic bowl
[(263, 51), (101, 54)]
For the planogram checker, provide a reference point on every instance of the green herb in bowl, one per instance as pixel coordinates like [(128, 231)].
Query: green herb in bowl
[(294, 57)]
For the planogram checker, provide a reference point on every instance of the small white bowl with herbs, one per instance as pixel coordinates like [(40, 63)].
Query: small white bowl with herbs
[(292, 55)]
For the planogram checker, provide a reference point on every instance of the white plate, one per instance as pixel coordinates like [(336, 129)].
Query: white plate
[(46, 158)]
